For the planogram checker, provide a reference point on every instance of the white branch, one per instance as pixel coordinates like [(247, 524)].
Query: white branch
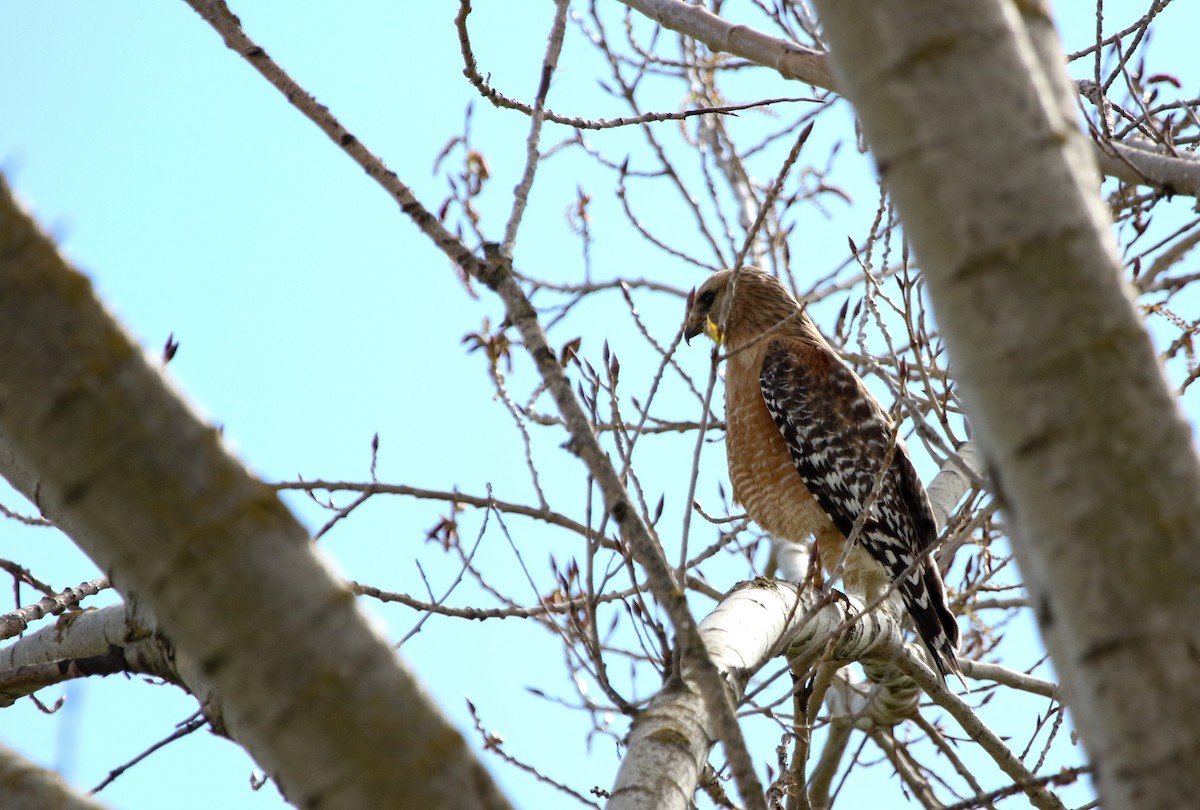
[(670, 740)]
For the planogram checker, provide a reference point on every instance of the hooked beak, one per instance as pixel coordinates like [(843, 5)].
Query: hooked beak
[(690, 330)]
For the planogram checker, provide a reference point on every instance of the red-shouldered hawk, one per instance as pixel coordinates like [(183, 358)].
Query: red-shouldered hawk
[(805, 439)]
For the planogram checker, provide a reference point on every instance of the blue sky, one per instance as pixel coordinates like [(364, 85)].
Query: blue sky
[(312, 315)]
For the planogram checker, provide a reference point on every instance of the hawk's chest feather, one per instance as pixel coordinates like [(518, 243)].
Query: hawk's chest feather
[(764, 477)]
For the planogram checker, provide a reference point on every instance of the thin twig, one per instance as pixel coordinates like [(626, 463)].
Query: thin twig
[(193, 723), (15, 622)]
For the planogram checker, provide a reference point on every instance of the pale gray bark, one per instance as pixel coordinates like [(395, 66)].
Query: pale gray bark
[(670, 740), (25, 786), (94, 436), (791, 60), (131, 641), (969, 114)]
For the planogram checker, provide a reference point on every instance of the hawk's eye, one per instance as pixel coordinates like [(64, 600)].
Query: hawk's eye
[(706, 298)]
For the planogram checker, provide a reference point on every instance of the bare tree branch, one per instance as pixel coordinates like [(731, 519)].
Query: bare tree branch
[(227, 556), (28, 787), (1129, 163)]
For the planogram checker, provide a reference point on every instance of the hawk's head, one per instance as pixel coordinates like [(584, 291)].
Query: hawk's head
[(707, 306)]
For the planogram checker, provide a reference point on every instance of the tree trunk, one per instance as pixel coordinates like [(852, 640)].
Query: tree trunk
[(969, 113)]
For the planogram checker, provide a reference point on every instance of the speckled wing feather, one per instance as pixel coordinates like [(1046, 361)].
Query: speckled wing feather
[(838, 435)]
